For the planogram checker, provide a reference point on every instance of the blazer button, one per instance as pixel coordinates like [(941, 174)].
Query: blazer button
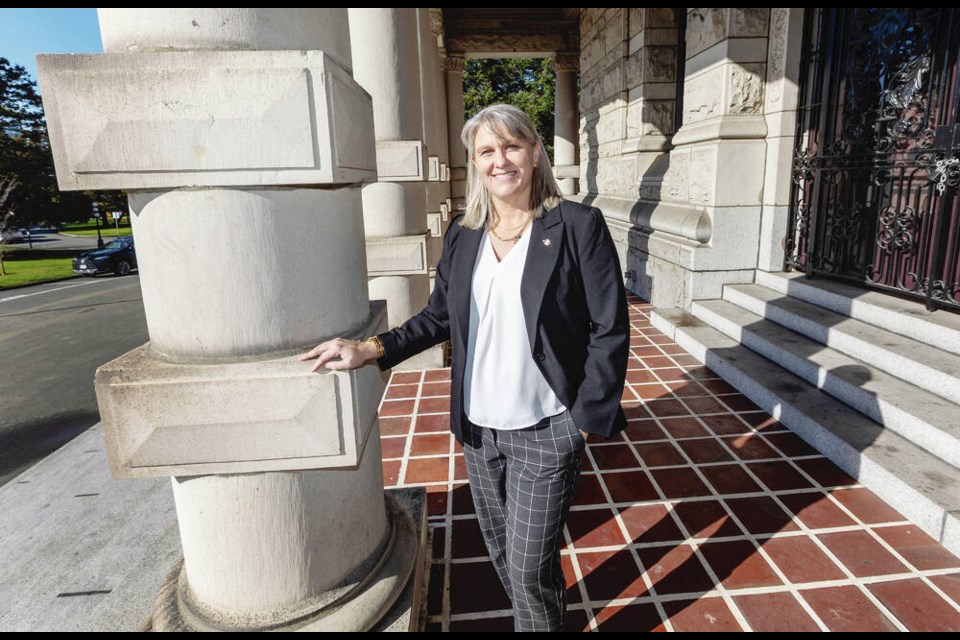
[(539, 356)]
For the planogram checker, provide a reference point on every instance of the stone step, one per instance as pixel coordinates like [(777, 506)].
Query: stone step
[(922, 487), (926, 419), (926, 366), (909, 318)]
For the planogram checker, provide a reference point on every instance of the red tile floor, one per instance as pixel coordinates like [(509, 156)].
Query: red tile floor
[(706, 514)]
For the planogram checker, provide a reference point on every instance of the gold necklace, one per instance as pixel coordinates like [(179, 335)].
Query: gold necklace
[(515, 238)]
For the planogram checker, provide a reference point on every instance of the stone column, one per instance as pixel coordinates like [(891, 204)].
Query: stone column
[(386, 62), (565, 135), (221, 123), (453, 65)]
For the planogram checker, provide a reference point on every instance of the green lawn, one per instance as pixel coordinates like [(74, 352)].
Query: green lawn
[(89, 228), (25, 266)]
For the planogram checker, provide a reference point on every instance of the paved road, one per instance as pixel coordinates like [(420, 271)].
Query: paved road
[(52, 339), (46, 240)]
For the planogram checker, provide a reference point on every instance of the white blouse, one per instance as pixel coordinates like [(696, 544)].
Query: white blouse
[(502, 387)]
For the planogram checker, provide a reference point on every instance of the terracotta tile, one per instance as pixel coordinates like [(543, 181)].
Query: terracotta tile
[(628, 395), (404, 377), (430, 444), (435, 593), (918, 606), (433, 626), (610, 574), (949, 584), (589, 491), (704, 450), (393, 447), (614, 456), (652, 391), (672, 375), (801, 559), (437, 502), (436, 389), (436, 375), (459, 468), (658, 454), (779, 475), (658, 362), (724, 424), (427, 470), (438, 422), (474, 586), (686, 360), (687, 388), (718, 386), (391, 472), (398, 391), (483, 625), (761, 515), (667, 407), (738, 564), (643, 430), (739, 402), (637, 376), (644, 350), (679, 483), (790, 444), (438, 541), (864, 504), (816, 510), (861, 553), (674, 569), (750, 447), (771, 612), (702, 615), (629, 486), (634, 618), (706, 519), (704, 404), (394, 426), (701, 372), (683, 427), (466, 539), (650, 523), (846, 609), (396, 408), (826, 473), (762, 421), (434, 405), (594, 528), (729, 479), (635, 411), (457, 447), (570, 579), (461, 500)]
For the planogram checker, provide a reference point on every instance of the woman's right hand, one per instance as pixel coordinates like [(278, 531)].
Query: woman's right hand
[(341, 354)]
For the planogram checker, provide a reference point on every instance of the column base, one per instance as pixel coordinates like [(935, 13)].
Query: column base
[(360, 603)]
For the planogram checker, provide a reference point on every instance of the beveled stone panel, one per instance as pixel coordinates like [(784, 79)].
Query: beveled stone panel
[(205, 118), (401, 161), (397, 255)]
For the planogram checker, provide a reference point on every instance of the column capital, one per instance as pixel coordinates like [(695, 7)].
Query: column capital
[(566, 62), (436, 21), (454, 63)]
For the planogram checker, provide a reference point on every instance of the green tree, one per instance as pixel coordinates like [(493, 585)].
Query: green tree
[(526, 83), (25, 155)]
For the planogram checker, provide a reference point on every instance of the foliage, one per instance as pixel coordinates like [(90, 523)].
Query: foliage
[(526, 83), (25, 154)]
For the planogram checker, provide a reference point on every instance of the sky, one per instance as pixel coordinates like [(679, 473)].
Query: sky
[(27, 32)]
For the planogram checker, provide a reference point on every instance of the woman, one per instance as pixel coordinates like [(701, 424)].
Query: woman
[(529, 292)]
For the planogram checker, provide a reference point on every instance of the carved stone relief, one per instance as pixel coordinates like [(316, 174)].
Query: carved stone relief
[(705, 28), (778, 54), (749, 23), (661, 64), (746, 89), (702, 95)]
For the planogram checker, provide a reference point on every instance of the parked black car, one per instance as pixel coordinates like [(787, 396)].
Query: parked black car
[(117, 256)]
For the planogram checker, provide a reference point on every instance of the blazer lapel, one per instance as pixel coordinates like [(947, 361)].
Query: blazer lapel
[(462, 275), (546, 239)]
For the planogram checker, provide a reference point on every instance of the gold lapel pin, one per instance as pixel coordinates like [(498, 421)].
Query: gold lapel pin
[(546, 242)]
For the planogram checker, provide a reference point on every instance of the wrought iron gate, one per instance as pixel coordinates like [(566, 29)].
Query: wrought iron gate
[(877, 159)]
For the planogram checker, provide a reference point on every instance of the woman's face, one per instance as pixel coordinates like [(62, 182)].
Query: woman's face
[(505, 165)]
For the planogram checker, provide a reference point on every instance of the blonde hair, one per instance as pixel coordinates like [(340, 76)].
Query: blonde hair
[(500, 120)]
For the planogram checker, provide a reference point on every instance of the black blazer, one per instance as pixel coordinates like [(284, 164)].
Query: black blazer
[(574, 305)]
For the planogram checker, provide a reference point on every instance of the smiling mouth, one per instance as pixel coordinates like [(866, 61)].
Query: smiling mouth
[(501, 176)]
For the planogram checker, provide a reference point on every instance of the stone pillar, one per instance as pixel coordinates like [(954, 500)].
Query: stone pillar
[(453, 65), (386, 62), (435, 134), (221, 123), (565, 135), (780, 111)]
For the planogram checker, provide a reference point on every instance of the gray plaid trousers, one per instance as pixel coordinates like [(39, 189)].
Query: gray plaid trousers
[(522, 483)]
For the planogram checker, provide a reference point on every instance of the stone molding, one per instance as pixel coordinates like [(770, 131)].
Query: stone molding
[(453, 63), (401, 161)]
